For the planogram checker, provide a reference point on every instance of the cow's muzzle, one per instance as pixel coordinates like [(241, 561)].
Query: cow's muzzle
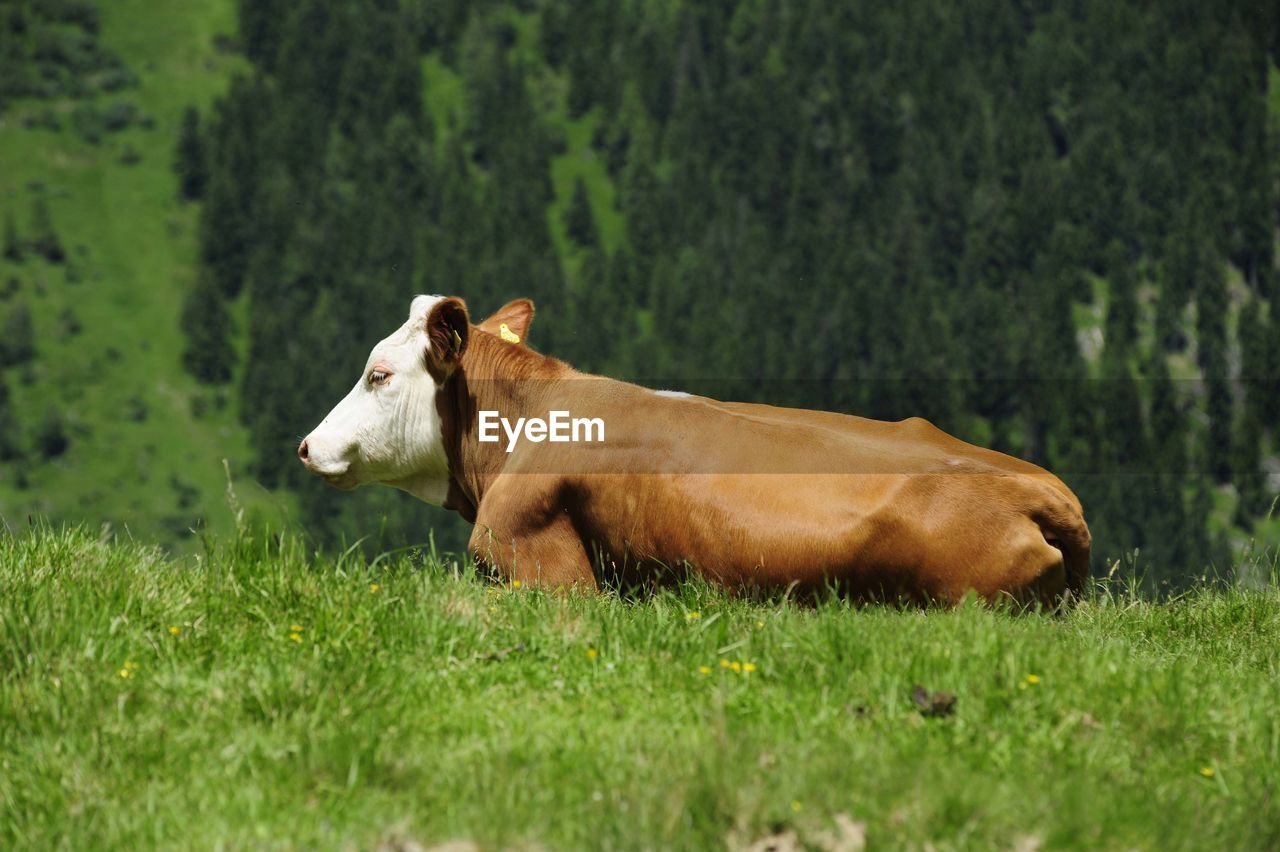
[(336, 472)]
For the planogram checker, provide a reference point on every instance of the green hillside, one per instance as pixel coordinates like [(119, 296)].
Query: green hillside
[(145, 443)]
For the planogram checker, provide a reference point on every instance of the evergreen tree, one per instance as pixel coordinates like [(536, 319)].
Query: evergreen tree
[(10, 448), (190, 161), (1218, 443), (1247, 473), (1122, 306), (578, 219), (18, 338), (12, 242), (1259, 371), (44, 239), (52, 439), (207, 355)]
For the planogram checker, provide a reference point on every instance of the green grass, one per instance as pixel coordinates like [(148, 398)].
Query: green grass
[(437, 707)]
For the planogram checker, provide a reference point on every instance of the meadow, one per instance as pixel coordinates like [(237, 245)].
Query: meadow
[(260, 695)]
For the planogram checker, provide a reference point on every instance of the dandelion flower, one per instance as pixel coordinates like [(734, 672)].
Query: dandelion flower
[(724, 663), (295, 628), (796, 806), (373, 587), (126, 674), (174, 630), (296, 637), (692, 616), (748, 667), (1033, 679), (592, 653), (515, 584), (736, 666), (706, 670), (1207, 771), (759, 624), (130, 665)]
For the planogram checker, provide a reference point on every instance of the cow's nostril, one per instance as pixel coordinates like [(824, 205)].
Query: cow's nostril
[(303, 453)]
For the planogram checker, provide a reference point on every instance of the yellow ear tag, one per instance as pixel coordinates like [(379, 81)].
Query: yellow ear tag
[(457, 341), (507, 334)]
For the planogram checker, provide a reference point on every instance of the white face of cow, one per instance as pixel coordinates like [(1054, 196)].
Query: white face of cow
[(387, 429)]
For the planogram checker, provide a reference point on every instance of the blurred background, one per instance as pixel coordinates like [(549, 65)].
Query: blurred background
[(1050, 228)]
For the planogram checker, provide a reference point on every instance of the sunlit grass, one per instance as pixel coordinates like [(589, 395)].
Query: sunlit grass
[(261, 695)]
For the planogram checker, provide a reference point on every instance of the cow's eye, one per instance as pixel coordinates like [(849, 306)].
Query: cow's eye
[(379, 377)]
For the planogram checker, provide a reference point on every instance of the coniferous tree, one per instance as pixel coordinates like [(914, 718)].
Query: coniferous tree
[(44, 239), (52, 439), (10, 448), (1247, 473), (207, 354), (12, 242), (578, 219), (1259, 373), (190, 160), (1122, 306), (17, 338)]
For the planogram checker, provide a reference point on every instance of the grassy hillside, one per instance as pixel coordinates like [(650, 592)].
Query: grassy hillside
[(146, 444), (255, 697)]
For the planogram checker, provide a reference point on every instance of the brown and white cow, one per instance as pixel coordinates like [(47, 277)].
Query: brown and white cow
[(747, 495)]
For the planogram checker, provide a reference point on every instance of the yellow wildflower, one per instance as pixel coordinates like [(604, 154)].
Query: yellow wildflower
[(174, 630), (1033, 679), (1207, 771), (515, 584), (130, 665), (692, 616), (724, 663), (706, 670), (126, 674), (796, 806), (592, 653), (736, 666), (373, 587), (748, 667), (296, 637), (295, 628)]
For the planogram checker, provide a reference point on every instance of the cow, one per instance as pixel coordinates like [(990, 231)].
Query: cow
[(749, 496)]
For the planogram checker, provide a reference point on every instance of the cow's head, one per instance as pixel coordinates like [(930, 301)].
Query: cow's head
[(388, 429)]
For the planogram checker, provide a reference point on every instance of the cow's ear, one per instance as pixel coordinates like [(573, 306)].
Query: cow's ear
[(516, 315), (448, 330)]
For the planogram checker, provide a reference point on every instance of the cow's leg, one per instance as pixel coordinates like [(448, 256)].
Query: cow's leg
[(522, 540), (1035, 572)]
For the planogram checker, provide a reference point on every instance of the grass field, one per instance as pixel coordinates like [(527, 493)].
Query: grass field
[(259, 696)]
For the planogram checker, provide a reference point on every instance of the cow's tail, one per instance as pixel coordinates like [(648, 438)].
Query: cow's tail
[(1063, 526)]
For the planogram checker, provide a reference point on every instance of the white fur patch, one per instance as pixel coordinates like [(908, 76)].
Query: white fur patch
[(670, 394), (421, 305)]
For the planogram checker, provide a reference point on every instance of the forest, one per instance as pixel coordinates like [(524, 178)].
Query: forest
[(1049, 228)]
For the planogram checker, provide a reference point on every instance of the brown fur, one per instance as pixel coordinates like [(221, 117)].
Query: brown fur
[(747, 495)]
